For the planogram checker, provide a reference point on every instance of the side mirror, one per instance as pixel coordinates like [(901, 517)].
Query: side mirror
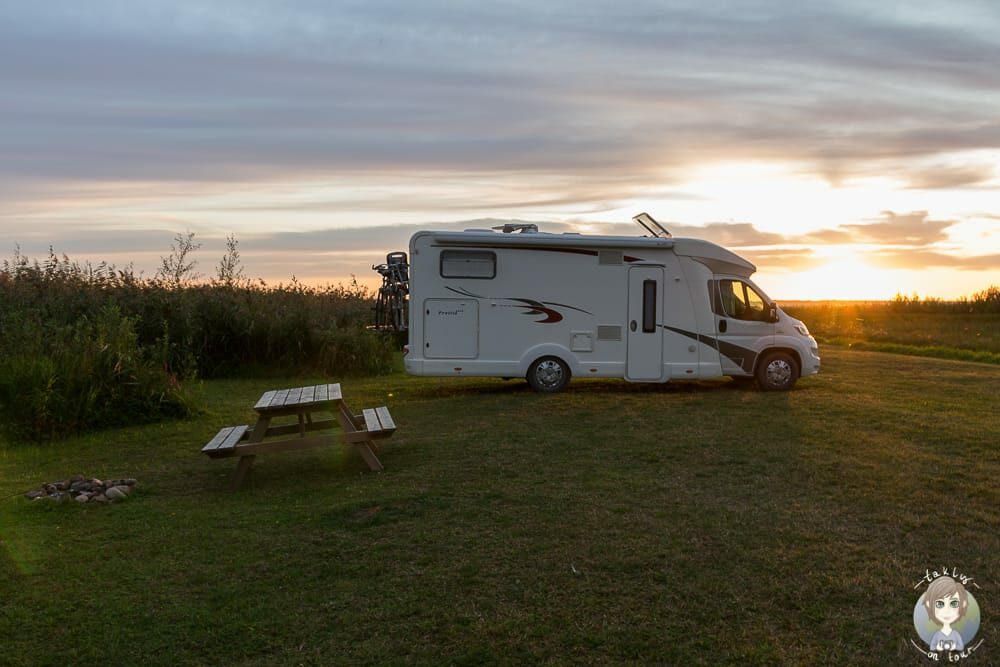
[(773, 313)]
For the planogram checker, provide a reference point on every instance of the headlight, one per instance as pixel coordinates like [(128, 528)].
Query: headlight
[(801, 328)]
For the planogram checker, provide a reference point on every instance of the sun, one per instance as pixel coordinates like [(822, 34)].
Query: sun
[(842, 276)]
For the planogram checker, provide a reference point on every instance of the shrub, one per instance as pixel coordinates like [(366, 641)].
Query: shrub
[(56, 380), (93, 346)]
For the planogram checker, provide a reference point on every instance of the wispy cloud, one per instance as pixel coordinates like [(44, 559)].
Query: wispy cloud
[(924, 259), (912, 229), (247, 91), (296, 124)]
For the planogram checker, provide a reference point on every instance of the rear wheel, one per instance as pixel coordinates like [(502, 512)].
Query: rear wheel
[(548, 374), (777, 371)]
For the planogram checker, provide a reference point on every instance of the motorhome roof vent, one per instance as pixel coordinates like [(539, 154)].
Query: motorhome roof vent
[(519, 227), (609, 257), (655, 229), (609, 332)]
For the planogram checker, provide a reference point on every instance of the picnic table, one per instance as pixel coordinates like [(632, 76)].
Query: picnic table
[(305, 404)]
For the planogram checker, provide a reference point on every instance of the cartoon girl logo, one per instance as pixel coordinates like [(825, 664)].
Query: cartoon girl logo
[(946, 616)]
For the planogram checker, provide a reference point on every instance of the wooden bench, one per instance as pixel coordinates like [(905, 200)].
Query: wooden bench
[(378, 422), (224, 442), (246, 442)]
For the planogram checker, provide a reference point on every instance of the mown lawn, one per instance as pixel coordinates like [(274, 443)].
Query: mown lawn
[(939, 331), (685, 524)]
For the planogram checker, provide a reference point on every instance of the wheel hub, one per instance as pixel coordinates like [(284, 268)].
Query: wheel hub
[(779, 372), (549, 373)]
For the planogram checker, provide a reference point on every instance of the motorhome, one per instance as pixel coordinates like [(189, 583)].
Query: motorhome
[(513, 302)]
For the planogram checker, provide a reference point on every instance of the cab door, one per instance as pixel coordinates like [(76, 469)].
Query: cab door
[(742, 323), (645, 315)]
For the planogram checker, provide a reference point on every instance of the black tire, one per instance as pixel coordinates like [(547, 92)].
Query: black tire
[(777, 371), (548, 375)]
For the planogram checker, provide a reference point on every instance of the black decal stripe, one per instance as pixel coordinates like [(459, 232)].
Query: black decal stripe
[(533, 306), (464, 292), (563, 305), (701, 338), (538, 308), (741, 356)]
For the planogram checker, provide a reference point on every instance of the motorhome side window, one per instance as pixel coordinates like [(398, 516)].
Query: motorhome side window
[(468, 264), (741, 302)]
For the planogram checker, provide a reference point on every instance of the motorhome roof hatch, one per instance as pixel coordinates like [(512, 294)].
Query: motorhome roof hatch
[(646, 221)]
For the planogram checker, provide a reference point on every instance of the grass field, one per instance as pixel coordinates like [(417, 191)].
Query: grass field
[(678, 524), (943, 332)]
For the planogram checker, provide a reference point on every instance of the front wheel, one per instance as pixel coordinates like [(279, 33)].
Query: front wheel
[(777, 371), (548, 374)]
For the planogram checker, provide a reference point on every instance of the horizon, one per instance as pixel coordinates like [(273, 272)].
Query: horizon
[(850, 152)]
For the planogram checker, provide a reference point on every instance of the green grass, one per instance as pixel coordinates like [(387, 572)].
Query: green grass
[(930, 330), (679, 524)]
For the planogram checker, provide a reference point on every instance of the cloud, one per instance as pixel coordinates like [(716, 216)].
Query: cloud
[(903, 229), (736, 234), (349, 250), (926, 259), (782, 259), (909, 229), (174, 91), (949, 177)]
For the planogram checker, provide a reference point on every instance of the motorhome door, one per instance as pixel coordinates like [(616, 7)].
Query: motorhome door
[(451, 328), (645, 314)]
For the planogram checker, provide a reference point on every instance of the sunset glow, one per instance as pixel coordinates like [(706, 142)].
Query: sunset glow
[(857, 160)]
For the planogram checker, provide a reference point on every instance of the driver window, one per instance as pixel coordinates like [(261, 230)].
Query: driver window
[(755, 305), (732, 298), (742, 302)]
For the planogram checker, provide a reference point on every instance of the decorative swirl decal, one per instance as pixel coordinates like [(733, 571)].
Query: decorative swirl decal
[(531, 306)]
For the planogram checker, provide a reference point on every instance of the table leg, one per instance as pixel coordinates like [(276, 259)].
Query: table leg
[(260, 429), (368, 455), (349, 425), (243, 467), (241, 470)]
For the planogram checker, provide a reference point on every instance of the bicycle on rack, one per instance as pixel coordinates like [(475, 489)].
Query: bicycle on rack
[(391, 304)]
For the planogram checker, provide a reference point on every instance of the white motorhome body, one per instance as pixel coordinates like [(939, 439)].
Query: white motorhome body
[(550, 306)]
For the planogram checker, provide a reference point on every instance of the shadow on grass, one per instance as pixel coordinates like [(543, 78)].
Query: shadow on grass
[(451, 387)]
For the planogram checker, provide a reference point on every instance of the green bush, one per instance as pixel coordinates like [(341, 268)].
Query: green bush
[(355, 352), (86, 347), (56, 380)]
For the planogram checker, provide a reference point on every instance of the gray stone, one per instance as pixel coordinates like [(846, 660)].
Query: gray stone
[(121, 487), (130, 482), (115, 493), (62, 485), (82, 498), (59, 497), (49, 488), (99, 498), (77, 478), (37, 493)]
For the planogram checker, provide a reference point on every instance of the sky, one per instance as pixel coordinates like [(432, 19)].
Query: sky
[(851, 150)]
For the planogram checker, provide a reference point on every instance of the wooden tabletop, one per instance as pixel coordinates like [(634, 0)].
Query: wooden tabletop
[(299, 399)]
